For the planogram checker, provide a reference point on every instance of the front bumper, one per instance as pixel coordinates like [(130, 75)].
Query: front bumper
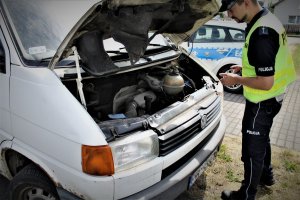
[(177, 182)]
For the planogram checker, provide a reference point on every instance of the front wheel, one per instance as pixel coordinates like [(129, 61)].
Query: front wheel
[(238, 88), (32, 184)]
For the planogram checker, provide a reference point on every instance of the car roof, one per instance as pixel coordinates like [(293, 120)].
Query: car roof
[(226, 23)]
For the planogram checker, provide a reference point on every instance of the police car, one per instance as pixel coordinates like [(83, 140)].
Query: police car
[(218, 45)]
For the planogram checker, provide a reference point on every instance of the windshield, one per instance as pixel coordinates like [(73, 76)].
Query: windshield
[(40, 26)]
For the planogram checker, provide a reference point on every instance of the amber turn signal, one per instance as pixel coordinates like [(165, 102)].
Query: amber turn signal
[(97, 160)]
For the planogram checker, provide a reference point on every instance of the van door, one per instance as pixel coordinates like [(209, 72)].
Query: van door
[(5, 123)]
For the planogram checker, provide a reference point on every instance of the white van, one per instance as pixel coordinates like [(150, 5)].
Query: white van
[(129, 118)]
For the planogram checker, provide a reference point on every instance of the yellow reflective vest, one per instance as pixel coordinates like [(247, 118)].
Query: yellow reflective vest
[(284, 66)]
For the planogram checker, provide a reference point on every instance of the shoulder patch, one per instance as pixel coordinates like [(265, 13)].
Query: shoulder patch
[(263, 30)]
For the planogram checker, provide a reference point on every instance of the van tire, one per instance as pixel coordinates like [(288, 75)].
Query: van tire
[(31, 182)]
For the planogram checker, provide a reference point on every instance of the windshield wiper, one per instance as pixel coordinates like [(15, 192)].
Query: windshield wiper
[(63, 62), (46, 59), (158, 45), (117, 51), (150, 44)]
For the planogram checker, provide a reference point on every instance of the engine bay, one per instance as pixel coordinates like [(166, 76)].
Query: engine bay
[(129, 98)]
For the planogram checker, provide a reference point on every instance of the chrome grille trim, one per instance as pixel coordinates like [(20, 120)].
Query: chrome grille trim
[(212, 111), (175, 138)]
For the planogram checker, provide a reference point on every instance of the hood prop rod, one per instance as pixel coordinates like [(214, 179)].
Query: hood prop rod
[(79, 78)]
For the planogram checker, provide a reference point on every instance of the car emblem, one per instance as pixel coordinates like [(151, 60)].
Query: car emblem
[(203, 121)]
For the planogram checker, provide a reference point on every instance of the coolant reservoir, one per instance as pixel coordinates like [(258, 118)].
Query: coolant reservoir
[(173, 83)]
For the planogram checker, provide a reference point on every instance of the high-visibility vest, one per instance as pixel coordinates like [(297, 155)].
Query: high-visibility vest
[(284, 66)]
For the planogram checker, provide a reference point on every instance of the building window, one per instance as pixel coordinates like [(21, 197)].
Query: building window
[(294, 19)]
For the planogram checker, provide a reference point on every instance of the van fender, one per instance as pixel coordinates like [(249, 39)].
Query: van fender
[(34, 158)]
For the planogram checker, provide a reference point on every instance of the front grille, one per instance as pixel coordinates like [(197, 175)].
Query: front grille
[(169, 170), (170, 144), (213, 110)]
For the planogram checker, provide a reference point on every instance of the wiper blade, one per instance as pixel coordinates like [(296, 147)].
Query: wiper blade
[(116, 51), (157, 45), (119, 52), (125, 52), (163, 46), (63, 62), (46, 59)]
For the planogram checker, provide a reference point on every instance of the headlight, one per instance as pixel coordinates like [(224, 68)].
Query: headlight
[(134, 150)]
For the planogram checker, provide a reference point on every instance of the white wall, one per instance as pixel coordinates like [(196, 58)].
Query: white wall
[(286, 9)]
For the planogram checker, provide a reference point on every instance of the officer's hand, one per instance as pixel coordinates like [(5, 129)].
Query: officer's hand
[(236, 68), (229, 79)]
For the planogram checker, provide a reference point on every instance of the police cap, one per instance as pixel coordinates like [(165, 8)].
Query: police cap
[(227, 4)]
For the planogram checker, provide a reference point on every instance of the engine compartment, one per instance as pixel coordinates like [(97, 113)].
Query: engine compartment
[(124, 101)]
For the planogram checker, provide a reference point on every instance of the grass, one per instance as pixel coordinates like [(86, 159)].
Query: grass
[(289, 163), (231, 176), (290, 166), (223, 155)]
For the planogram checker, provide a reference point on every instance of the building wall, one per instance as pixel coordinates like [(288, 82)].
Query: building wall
[(287, 8)]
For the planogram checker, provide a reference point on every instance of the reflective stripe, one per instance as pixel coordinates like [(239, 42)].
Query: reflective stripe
[(256, 116), (250, 179)]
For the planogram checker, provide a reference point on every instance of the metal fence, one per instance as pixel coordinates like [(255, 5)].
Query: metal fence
[(292, 28)]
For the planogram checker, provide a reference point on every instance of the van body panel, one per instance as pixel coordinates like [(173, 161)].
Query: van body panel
[(5, 123), (53, 110)]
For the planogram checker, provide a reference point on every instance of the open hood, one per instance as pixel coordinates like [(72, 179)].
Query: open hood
[(128, 22)]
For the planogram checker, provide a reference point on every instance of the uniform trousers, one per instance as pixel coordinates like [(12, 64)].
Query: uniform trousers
[(256, 148)]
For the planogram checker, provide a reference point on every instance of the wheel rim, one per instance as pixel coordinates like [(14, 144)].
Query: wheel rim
[(34, 193), (236, 86)]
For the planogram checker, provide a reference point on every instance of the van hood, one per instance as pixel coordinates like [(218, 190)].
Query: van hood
[(129, 22)]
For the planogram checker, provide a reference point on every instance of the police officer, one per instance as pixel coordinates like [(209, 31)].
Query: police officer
[(266, 72)]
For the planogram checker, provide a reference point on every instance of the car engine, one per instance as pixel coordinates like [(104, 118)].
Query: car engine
[(142, 93)]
